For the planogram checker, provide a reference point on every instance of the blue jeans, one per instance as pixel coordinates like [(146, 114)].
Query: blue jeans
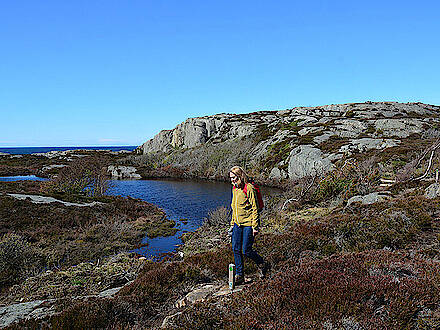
[(242, 240)]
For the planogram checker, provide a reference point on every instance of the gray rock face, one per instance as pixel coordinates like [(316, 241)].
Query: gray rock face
[(365, 126), (349, 127), (308, 130), (17, 312), (324, 137), (50, 167), (191, 133), (278, 174), (365, 144), (433, 191), (399, 127), (123, 172), (306, 160), (161, 142)]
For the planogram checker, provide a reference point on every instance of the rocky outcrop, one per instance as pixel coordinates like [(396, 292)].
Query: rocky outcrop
[(201, 294), (307, 133), (39, 309), (365, 144), (123, 172), (306, 160), (51, 167)]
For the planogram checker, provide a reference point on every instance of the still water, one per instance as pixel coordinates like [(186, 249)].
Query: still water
[(186, 202), (21, 178)]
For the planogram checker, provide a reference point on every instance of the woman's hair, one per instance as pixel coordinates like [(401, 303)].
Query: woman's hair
[(237, 170)]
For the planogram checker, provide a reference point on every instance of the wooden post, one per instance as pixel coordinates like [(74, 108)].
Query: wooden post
[(231, 276)]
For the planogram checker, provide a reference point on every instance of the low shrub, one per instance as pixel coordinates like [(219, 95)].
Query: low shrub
[(219, 217), (371, 290), (84, 176), (17, 259)]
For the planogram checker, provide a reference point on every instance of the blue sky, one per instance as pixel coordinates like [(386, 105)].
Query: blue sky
[(117, 72)]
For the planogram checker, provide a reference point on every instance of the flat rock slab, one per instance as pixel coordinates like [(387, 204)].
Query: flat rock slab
[(225, 290), (368, 199), (41, 308), (45, 200), (206, 291), (197, 295), (17, 312)]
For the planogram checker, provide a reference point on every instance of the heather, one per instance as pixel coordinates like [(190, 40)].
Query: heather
[(369, 290), (335, 268)]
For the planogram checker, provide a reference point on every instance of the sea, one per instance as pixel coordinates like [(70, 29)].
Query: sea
[(33, 150)]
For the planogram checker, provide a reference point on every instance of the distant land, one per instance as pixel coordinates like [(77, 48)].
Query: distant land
[(32, 150)]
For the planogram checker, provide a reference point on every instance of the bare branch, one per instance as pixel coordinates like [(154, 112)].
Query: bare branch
[(432, 149)]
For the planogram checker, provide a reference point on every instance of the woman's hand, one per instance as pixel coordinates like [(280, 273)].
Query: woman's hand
[(254, 231)]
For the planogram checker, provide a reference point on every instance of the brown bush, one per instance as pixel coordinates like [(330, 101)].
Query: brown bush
[(84, 176), (17, 259), (372, 290)]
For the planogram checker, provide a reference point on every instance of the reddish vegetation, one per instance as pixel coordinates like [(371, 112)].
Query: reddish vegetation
[(319, 278), (373, 290)]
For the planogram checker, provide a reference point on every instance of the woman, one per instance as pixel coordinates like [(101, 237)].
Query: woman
[(245, 223)]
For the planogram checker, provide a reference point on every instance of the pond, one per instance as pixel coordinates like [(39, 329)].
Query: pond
[(21, 178), (186, 202)]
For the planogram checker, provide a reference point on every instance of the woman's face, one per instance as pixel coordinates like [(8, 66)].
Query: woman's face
[(235, 179)]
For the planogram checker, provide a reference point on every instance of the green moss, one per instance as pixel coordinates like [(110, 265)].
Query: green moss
[(292, 126), (163, 228), (277, 153), (371, 129)]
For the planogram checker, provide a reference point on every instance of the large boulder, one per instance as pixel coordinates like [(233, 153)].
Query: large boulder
[(305, 160)]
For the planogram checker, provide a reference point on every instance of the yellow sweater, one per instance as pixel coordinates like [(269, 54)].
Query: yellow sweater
[(245, 208)]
